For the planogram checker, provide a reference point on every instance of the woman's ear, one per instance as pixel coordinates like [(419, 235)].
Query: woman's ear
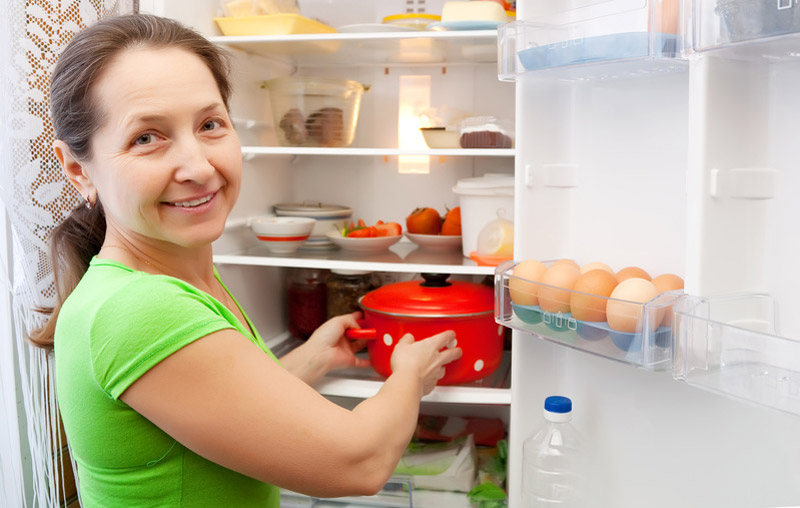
[(75, 171)]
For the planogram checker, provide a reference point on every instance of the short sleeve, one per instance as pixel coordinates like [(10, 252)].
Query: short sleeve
[(143, 323)]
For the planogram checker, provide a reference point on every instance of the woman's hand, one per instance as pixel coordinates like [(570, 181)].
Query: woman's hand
[(428, 357), (327, 349)]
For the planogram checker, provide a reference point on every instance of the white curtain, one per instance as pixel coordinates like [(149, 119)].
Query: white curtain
[(35, 197)]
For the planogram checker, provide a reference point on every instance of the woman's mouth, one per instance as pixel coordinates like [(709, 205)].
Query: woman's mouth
[(193, 202)]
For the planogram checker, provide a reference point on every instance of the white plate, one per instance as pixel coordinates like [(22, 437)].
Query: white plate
[(435, 242), (375, 244), (464, 25), (360, 28)]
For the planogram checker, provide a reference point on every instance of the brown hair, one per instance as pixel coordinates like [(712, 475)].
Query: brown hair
[(77, 116)]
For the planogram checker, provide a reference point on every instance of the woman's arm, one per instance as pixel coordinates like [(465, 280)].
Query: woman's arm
[(229, 402)]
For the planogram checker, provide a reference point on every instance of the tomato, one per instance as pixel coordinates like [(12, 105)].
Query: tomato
[(424, 221), (389, 229), (452, 223), (366, 232)]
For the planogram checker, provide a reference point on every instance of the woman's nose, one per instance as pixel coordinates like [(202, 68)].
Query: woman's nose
[(191, 160)]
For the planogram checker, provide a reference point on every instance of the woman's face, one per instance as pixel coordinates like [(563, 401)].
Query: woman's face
[(166, 161)]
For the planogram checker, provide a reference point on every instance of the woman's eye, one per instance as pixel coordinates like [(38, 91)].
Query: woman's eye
[(210, 125), (144, 139)]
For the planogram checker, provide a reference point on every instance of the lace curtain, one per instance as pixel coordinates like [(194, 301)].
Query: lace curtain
[(36, 197)]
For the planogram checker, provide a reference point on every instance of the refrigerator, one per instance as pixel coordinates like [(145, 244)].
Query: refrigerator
[(650, 133)]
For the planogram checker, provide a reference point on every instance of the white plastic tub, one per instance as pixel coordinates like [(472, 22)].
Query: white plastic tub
[(481, 200)]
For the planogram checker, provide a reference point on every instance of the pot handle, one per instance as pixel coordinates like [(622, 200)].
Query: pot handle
[(361, 333)]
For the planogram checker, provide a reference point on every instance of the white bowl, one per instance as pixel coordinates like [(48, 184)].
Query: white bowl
[(374, 244), (435, 242), (328, 217), (282, 235), (439, 137)]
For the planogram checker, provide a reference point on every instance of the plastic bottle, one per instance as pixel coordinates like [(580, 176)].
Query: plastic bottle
[(552, 461)]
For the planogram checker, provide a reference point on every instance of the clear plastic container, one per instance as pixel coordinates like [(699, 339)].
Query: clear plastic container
[(486, 132), (481, 199), (312, 111), (553, 463), (721, 22)]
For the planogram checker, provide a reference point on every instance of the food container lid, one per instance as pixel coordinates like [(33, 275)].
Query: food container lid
[(495, 184), (413, 15), (433, 297), (313, 209)]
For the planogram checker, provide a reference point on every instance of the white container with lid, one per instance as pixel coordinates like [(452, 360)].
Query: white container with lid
[(328, 217), (481, 200)]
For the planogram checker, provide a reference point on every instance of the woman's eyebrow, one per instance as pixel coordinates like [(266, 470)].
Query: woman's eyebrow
[(134, 118)]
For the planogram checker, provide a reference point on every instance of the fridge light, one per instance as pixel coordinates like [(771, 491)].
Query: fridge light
[(414, 94)]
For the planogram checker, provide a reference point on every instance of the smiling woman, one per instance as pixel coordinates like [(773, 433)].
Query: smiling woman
[(169, 396)]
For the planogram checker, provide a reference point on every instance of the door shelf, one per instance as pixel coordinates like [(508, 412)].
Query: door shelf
[(647, 344), (467, 47), (378, 152), (568, 52), (361, 383), (730, 345), (404, 257), (751, 29), (399, 493)]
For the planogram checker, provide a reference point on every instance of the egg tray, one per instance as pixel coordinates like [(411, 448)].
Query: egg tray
[(650, 349)]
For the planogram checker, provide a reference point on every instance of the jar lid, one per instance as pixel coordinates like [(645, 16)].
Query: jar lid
[(433, 297), (313, 209), (488, 184), (339, 271), (412, 15)]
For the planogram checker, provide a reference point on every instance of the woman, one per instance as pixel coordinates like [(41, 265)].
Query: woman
[(167, 393)]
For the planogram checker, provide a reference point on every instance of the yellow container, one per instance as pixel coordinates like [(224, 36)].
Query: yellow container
[(417, 20), (272, 24)]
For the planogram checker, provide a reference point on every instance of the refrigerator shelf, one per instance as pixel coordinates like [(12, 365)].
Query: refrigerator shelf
[(385, 49), (379, 152), (745, 29), (387, 498), (361, 383), (403, 257), (648, 347), (730, 345), (587, 49)]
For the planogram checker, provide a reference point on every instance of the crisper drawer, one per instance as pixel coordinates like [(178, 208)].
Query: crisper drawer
[(718, 23), (730, 345), (398, 493), (639, 333), (558, 34)]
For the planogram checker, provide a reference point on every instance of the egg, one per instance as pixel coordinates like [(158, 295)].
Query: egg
[(567, 261), (526, 292), (664, 283), (557, 280), (632, 271), (627, 316), (667, 282), (596, 265), (583, 305)]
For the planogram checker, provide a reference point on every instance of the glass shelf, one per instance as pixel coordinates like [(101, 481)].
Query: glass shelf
[(396, 495), (362, 383), (379, 152), (730, 346), (404, 256), (467, 47), (647, 344)]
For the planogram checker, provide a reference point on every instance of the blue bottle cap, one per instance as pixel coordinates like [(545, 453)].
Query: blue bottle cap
[(558, 404)]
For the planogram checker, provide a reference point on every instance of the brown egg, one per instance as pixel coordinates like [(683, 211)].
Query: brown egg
[(630, 272), (667, 282), (521, 291), (664, 283), (569, 262), (596, 265), (585, 307), (561, 276), (627, 316)]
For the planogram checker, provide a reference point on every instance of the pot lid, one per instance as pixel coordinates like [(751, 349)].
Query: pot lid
[(312, 208), (435, 296)]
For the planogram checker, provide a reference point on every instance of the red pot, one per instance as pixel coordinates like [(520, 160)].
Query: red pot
[(427, 308)]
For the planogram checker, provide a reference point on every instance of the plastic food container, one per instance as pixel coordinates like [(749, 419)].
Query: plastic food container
[(440, 137), (481, 200), (415, 20), (310, 111), (328, 217), (486, 132), (238, 8)]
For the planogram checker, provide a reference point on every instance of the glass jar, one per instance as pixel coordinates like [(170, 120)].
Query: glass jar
[(307, 295), (346, 287)]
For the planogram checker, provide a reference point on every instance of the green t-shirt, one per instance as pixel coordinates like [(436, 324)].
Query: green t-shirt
[(116, 325)]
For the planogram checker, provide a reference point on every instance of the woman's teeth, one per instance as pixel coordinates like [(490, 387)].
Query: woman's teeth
[(194, 202)]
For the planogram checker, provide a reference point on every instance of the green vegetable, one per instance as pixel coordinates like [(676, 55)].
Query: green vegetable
[(488, 495)]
